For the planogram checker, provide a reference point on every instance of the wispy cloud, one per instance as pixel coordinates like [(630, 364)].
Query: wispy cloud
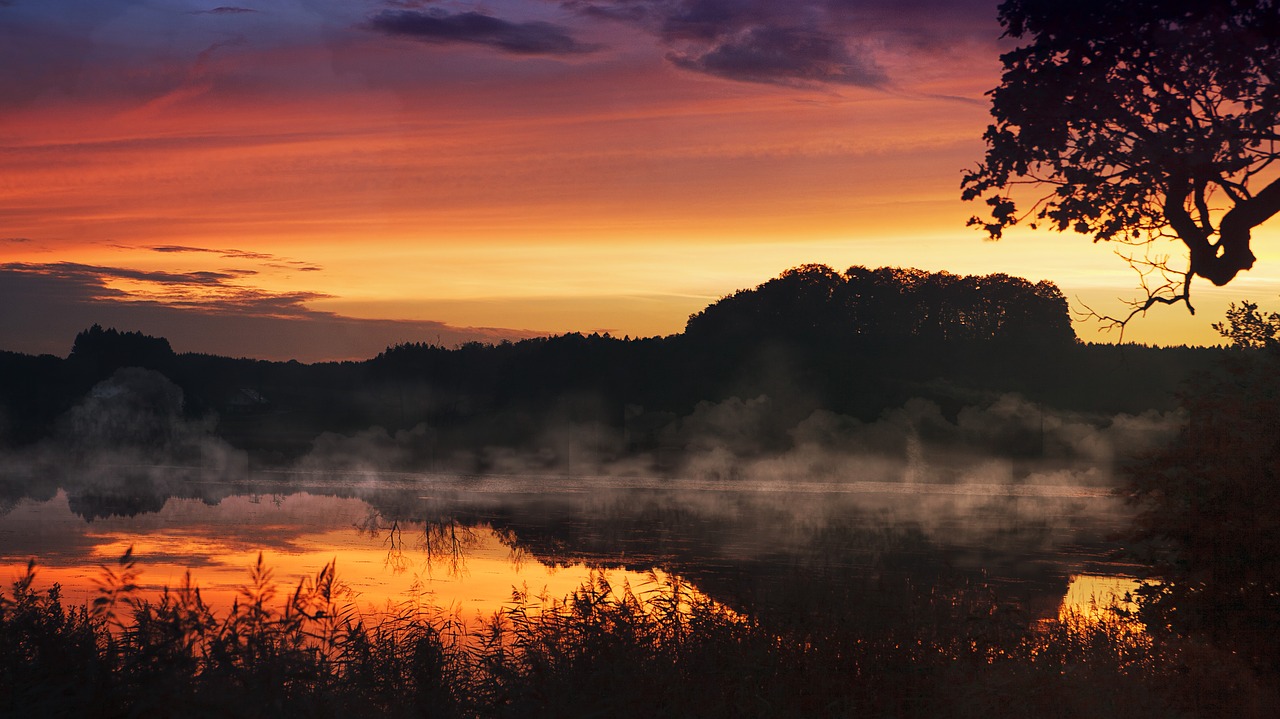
[(198, 312), (518, 38), (203, 291), (224, 10), (237, 254), (68, 270), (234, 254), (197, 81)]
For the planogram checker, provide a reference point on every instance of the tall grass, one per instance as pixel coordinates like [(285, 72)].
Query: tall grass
[(661, 649)]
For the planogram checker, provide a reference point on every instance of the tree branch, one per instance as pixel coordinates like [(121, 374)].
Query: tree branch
[(1234, 232), (1192, 235), (1235, 190), (1181, 292), (1202, 206)]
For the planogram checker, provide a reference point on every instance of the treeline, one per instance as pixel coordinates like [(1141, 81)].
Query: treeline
[(854, 343)]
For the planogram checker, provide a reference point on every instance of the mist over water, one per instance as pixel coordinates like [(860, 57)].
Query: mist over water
[(1008, 491)]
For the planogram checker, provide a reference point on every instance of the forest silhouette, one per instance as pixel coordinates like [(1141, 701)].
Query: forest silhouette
[(855, 343)]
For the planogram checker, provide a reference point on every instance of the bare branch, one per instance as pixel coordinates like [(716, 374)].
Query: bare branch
[(1174, 288)]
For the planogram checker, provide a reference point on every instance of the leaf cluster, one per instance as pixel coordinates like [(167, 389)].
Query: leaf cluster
[(1130, 112), (1248, 328)]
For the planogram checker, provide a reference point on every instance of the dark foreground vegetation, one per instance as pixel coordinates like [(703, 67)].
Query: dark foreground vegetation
[(659, 650)]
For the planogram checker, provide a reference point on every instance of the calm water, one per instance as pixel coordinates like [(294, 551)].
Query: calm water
[(464, 543)]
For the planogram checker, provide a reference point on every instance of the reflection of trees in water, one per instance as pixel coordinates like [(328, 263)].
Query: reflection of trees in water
[(440, 541), (780, 555), (275, 498), (766, 551), (121, 488), (374, 525), (102, 505), (446, 544), (517, 554)]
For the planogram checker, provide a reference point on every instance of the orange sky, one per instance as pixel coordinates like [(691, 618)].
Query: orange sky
[(406, 171)]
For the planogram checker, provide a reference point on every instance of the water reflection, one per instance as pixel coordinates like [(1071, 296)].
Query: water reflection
[(464, 543), (464, 570), (1096, 597)]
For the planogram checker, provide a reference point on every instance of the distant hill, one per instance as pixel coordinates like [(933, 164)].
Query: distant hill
[(867, 308)]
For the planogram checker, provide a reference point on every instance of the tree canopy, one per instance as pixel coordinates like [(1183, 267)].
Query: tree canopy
[(890, 305), (1136, 122)]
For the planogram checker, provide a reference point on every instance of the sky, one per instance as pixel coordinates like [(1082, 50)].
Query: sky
[(319, 179)]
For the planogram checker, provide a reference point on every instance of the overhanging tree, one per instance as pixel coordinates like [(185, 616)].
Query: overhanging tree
[(1136, 122)]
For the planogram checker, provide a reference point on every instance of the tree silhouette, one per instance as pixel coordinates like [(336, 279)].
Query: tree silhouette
[(1208, 504), (108, 350), (1137, 122), (815, 304), (1249, 328)]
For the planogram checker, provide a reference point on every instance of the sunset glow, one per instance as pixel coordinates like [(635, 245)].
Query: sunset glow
[(415, 174)]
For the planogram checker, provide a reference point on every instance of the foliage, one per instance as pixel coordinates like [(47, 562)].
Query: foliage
[(659, 649), (104, 350), (52, 657), (1209, 503), (1248, 328), (1140, 120), (886, 305)]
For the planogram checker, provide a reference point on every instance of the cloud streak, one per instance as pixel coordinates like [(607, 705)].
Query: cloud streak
[(202, 291), (234, 254), (517, 38), (46, 304), (100, 274), (225, 10)]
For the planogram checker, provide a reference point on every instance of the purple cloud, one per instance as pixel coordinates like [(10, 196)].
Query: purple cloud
[(517, 38), (783, 56), (98, 274), (803, 42), (47, 304), (225, 10)]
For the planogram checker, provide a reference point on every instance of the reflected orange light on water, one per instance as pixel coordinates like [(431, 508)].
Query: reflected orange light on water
[(472, 579), (1092, 597), (468, 572)]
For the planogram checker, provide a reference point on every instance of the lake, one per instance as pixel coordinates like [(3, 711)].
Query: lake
[(1039, 536)]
